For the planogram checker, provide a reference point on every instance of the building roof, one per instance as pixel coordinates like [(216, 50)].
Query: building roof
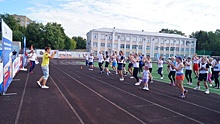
[(154, 34)]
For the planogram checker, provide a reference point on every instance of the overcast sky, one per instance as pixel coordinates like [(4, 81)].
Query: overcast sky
[(80, 16)]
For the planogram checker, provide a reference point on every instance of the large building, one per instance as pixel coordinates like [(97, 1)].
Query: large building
[(23, 20), (147, 43)]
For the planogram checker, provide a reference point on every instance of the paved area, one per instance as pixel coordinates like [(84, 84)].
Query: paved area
[(79, 96)]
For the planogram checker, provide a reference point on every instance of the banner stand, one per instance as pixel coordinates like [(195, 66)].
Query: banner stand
[(8, 94), (16, 79)]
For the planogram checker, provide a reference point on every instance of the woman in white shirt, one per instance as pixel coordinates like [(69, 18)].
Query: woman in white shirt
[(32, 57), (160, 67), (188, 72), (100, 61)]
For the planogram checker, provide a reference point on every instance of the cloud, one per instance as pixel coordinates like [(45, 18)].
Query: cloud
[(79, 16)]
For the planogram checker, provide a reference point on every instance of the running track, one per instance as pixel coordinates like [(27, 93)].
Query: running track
[(79, 96)]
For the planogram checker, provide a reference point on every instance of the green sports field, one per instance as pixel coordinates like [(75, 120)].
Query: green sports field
[(166, 79)]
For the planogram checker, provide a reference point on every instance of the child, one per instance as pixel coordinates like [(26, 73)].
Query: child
[(146, 76)]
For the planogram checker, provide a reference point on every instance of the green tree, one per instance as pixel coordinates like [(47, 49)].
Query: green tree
[(80, 42), (171, 31), (70, 44)]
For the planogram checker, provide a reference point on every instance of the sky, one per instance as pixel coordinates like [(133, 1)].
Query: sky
[(80, 16)]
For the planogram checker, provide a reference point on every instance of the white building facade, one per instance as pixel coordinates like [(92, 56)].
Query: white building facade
[(147, 43)]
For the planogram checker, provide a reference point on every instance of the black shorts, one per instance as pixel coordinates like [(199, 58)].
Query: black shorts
[(203, 77), (120, 66), (106, 64), (90, 63), (130, 65), (124, 64), (150, 69)]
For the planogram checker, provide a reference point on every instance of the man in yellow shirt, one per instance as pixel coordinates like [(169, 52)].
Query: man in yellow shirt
[(45, 67)]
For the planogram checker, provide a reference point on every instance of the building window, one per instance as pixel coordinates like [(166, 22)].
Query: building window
[(148, 48), (140, 39), (95, 53), (171, 42), (95, 36), (95, 44), (116, 37), (161, 41), (156, 48), (109, 45), (134, 46), (172, 48), (127, 53), (109, 37), (181, 42), (134, 39), (167, 41), (115, 46), (127, 46), (102, 44), (182, 49), (187, 50), (140, 47), (192, 43), (177, 49), (122, 38), (122, 46), (167, 48), (161, 48), (177, 42), (127, 38), (103, 37), (155, 40)]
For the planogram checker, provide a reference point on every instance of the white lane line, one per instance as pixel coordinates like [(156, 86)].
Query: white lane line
[(21, 102), (197, 121), (71, 107), (142, 122)]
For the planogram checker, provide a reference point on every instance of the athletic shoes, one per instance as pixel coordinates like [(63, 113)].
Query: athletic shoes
[(210, 85), (182, 96), (131, 77), (38, 83), (138, 83), (121, 79), (197, 88), (44, 87), (207, 91), (190, 83), (107, 74), (146, 88), (140, 80), (161, 78), (173, 84), (151, 81), (186, 91), (116, 73)]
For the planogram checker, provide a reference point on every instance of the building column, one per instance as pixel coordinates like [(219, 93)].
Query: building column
[(91, 44), (99, 42), (184, 47), (113, 39), (144, 46), (152, 47), (159, 40), (164, 49), (180, 47), (119, 44), (137, 44), (174, 47), (190, 45), (106, 38), (130, 44), (169, 46)]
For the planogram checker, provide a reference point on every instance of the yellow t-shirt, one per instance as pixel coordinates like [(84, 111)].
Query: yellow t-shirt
[(46, 59)]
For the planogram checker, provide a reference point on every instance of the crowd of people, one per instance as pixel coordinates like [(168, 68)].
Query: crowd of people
[(205, 69)]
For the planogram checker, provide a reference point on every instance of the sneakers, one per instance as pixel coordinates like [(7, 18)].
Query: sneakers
[(207, 91), (186, 91), (182, 96), (174, 84), (146, 88), (121, 79), (140, 80), (116, 73), (138, 83), (131, 77), (197, 88), (38, 82), (161, 78), (44, 87), (151, 81), (107, 74), (190, 83), (210, 85)]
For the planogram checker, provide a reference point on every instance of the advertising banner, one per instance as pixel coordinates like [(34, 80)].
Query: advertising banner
[(1, 75), (25, 59), (16, 66), (7, 56)]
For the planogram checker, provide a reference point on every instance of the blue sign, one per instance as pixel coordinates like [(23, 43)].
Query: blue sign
[(7, 56)]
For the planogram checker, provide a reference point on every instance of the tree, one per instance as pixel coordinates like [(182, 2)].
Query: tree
[(80, 42), (70, 44), (171, 31)]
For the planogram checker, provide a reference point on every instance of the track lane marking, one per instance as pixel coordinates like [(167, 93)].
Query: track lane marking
[(197, 121), (98, 94), (71, 107)]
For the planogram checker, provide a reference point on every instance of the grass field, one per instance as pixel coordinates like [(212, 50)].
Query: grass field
[(166, 79)]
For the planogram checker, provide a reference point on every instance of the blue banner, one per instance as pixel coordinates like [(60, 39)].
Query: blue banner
[(25, 59), (7, 56)]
